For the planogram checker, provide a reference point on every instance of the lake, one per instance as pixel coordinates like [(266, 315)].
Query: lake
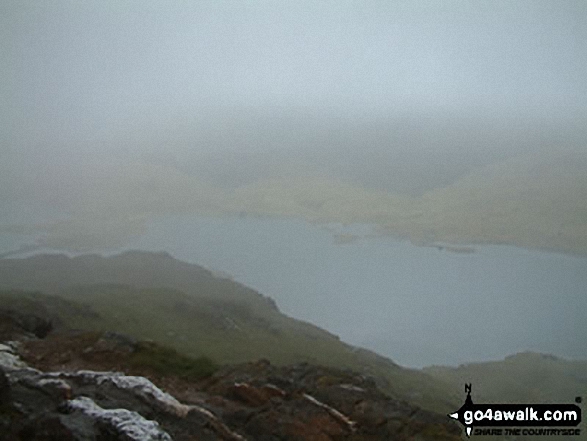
[(417, 305)]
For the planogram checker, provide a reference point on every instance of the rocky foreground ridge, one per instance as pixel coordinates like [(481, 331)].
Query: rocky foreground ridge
[(80, 386)]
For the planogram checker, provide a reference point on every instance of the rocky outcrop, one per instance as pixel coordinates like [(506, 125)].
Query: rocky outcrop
[(123, 423), (309, 402), (89, 405), (14, 324), (46, 396)]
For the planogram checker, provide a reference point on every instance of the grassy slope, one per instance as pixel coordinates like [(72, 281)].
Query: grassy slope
[(195, 327), (531, 377), (230, 323), (213, 317)]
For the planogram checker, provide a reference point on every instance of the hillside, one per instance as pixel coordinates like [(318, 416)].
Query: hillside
[(183, 322), (60, 384), (527, 200), (530, 377), (186, 307), (54, 273)]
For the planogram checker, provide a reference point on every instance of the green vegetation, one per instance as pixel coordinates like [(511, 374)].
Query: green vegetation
[(526, 377), (189, 332), (212, 320), (53, 308), (167, 361)]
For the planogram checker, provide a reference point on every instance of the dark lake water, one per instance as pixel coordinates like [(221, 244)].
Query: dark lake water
[(417, 305)]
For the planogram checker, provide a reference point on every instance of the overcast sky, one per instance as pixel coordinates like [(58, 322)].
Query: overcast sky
[(81, 74)]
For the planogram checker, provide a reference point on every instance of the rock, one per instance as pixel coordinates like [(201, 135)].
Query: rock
[(4, 388), (255, 396), (14, 322), (339, 417), (89, 405), (9, 361), (6, 348), (114, 341), (251, 401), (58, 389), (52, 427), (123, 423), (139, 387), (308, 402)]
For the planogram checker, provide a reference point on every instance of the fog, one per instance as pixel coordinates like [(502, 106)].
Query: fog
[(101, 77), (438, 122)]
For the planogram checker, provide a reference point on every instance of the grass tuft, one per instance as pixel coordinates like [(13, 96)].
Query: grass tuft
[(167, 361)]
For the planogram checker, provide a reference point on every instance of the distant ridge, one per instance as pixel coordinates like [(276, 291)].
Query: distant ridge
[(54, 272)]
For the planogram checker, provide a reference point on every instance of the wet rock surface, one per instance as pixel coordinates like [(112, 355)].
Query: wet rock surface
[(76, 387), (316, 403)]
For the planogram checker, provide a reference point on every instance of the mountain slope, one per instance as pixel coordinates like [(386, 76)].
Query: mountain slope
[(153, 296), (106, 386), (525, 377)]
